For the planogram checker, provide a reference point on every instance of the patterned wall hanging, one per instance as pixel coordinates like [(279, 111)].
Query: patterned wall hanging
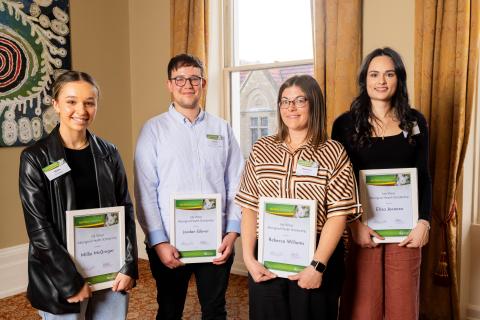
[(34, 49)]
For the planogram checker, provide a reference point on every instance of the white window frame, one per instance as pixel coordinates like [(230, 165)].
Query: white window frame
[(221, 63)]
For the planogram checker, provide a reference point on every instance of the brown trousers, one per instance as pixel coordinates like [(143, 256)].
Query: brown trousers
[(382, 283)]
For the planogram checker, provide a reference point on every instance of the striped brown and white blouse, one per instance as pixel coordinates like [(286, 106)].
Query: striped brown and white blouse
[(270, 171)]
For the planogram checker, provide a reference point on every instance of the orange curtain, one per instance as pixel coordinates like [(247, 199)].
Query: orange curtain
[(446, 64), (337, 52), (189, 29)]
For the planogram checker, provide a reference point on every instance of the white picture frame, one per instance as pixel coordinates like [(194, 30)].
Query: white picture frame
[(96, 243), (287, 235), (196, 226), (389, 199)]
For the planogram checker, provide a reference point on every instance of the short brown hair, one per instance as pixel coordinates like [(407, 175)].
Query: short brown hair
[(184, 60), (317, 122)]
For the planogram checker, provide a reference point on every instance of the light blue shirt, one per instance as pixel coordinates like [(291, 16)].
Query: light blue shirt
[(175, 156)]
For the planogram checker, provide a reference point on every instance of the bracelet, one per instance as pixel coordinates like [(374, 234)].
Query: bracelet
[(425, 223)]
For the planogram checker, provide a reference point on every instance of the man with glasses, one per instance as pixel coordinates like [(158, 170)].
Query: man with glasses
[(186, 151)]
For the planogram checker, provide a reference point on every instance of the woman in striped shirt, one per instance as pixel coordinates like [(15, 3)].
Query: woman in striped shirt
[(272, 171)]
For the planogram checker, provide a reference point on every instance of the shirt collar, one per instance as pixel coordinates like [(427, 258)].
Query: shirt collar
[(181, 118)]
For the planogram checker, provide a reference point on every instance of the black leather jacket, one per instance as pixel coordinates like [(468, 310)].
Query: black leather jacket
[(52, 276)]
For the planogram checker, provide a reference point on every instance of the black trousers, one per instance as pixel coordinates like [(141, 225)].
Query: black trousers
[(283, 299), (172, 286)]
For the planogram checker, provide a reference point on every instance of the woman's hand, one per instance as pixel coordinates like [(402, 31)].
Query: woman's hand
[(257, 271), (308, 278), (418, 237), (81, 295), (123, 282), (362, 235)]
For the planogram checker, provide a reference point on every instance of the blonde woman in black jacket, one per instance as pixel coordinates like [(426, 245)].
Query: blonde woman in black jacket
[(96, 179)]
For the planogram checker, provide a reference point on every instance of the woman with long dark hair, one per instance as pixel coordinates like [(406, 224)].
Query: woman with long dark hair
[(92, 176), (273, 170), (382, 131)]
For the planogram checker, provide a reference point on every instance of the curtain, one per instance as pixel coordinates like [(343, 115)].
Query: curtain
[(337, 52), (446, 62), (189, 30)]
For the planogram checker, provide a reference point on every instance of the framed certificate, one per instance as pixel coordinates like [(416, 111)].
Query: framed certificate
[(196, 226), (96, 242), (287, 235), (390, 201)]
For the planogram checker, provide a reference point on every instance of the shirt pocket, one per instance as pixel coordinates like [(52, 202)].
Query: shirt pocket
[(215, 161)]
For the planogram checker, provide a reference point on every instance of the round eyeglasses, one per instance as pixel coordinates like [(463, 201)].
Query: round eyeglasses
[(182, 81), (298, 102)]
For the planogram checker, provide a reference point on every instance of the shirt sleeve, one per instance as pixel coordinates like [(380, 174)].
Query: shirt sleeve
[(146, 183), (247, 195), (233, 173), (342, 192)]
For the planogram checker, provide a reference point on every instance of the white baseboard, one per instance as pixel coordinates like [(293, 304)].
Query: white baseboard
[(473, 312), (13, 270)]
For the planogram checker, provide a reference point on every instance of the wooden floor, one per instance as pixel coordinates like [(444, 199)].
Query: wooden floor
[(143, 304)]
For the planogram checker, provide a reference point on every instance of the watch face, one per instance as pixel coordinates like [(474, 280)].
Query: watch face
[(320, 267)]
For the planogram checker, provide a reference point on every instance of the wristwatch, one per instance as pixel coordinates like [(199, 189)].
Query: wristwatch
[(318, 266)]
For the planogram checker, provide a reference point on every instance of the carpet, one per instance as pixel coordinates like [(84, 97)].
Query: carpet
[(143, 304)]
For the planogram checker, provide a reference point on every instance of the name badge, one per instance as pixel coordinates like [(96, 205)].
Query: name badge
[(215, 140), (306, 168), (56, 169)]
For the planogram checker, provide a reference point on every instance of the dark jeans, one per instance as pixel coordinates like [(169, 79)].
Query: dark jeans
[(172, 286), (283, 299)]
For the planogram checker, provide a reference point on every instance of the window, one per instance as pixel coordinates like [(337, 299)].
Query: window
[(263, 48), (258, 128)]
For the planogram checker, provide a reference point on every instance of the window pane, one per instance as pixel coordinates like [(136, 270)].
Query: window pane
[(264, 121), (254, 133), (269, 31), (254, 96)]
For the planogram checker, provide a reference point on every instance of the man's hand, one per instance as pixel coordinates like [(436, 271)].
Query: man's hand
[(81, 295), (168, 255), (226, 248), (308, 278), (123, 282)]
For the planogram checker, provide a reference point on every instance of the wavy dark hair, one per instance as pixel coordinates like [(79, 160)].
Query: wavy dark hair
[(317, 122), (361, 107)]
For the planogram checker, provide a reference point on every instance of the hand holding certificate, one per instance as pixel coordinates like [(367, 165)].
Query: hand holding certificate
[(287, 237), (96, 242), (389, 199), (196, 226)]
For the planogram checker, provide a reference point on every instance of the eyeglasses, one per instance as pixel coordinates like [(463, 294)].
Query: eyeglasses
[(182, 81), (298, 102)]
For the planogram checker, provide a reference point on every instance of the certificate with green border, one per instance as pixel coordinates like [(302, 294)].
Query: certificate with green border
[(196, 226), (287, 234), (390, 202), (96, 243)]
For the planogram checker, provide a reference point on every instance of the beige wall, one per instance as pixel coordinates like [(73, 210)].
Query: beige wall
[(149, 56), (391, 23)]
